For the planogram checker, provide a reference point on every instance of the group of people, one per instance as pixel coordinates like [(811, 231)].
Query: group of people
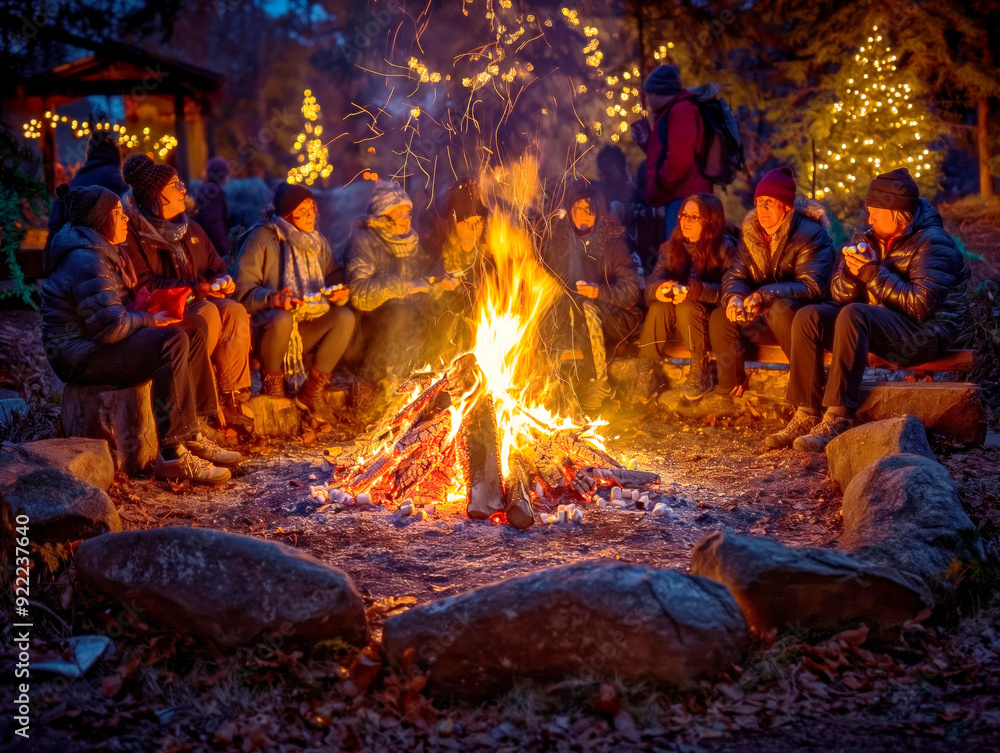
[(898, 290)]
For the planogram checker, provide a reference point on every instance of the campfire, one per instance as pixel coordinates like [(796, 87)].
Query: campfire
[(480, 434)]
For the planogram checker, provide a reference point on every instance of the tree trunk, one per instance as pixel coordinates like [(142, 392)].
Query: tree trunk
[(122, 417), (983, 137)]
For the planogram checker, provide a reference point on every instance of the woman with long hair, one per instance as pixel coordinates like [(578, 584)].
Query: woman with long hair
[(683, 289)]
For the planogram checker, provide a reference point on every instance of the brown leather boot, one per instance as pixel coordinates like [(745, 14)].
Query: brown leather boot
[(310, 397), (236, 409), (273, 383)]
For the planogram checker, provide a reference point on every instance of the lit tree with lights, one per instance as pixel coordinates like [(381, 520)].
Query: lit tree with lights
[(878, 120), (311, 153)]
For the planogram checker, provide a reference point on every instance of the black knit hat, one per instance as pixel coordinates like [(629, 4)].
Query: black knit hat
[(147, 180), (103, 148), (894, 190), (664, 79), (287, 196), (89, 206), (464, 202)]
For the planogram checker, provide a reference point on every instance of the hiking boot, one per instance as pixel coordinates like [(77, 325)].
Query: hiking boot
[(236, 410), (272, 383), (698, 384), (204, 448), (801, 424), (834, 423), (188, 466), (592, 394), (311, 397), (646, 383)]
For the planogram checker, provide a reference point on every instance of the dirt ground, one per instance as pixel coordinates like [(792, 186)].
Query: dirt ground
[(712, 478)]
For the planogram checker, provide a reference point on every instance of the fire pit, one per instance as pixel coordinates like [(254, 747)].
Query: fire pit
[(479, 435)]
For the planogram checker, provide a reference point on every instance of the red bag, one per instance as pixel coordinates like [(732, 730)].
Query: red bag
[(173, 301)]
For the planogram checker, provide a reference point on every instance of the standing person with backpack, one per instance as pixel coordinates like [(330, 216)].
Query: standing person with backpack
[(672, 170)]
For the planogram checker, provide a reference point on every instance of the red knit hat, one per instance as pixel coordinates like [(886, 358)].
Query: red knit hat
[(778, 184)]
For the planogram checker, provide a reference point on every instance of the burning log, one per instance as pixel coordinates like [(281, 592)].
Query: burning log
[(621, 477), (518, 493), (484, 483)]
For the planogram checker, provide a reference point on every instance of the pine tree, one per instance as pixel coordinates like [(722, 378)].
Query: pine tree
[(876, 120), (309, 148)]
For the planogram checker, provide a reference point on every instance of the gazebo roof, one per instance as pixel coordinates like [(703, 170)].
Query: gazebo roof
[(117, 68)]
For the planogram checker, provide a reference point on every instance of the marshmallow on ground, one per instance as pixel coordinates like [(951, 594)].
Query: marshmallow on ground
[(364, 499), (405, 510), (616, 492)]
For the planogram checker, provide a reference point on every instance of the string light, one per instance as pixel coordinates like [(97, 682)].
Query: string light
[(310, 152), (161, 145), (877, 104)]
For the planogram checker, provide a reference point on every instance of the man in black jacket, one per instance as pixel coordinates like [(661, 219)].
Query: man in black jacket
[(902, 285), (783, 263), (586, 251)]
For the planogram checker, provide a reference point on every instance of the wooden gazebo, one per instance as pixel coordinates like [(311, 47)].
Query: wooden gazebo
[(119, 69)]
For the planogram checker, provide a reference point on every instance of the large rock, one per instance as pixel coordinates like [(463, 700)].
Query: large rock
[(948, 409), (228, 588), (903, 512), (855, 450), (595, 619), (87, 459), (60, 507), (820, 590), (275, 416)]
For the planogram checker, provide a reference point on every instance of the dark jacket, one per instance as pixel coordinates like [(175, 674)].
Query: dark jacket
[(154, 263), (261, 263), (705, 285), (798, 269), (213, 215), (375, 276), (921, 275), (103, 168), (601, 258), (677, 136), (86, 301)]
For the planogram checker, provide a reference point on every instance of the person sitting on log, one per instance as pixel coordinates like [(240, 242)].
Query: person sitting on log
[(93, 336), (288, 279), (392, 285), (783, 263), (683, 289), (460, 237), (585, 249), (899, 291), (170, 250)]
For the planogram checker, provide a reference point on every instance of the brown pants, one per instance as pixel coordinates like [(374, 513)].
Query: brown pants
[(228, 340)]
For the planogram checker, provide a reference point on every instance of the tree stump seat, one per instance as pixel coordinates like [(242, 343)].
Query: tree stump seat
[(123, 417)]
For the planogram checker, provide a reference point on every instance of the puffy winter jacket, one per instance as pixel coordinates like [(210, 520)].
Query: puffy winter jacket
[(86, 301), (678, 176), (799, 268), (601, 258), (921, 275), (375, 275), (261, 263), (705, 285), (154, 263)]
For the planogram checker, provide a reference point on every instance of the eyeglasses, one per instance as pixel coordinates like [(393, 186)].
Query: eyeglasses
[(400, 217), (177, 184), (685, 217), (767, 204)]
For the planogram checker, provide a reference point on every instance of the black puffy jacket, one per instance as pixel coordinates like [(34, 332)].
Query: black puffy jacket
[(800, 267), (87, 298), (921, 275)]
